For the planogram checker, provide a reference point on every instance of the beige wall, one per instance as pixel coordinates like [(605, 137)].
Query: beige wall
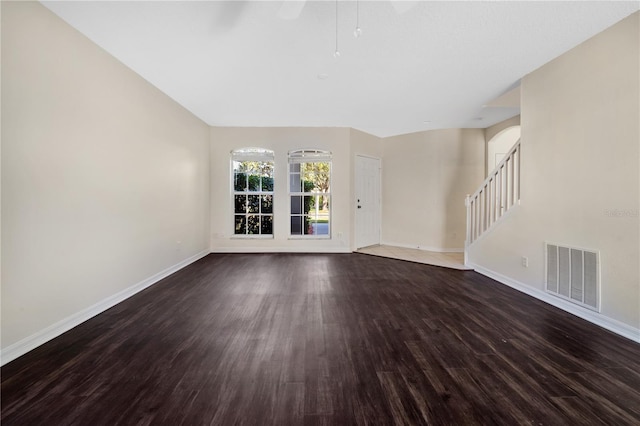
[(281, 141), (105, 180), (365, 144), (455, 159), (580, 165), (425, 180)]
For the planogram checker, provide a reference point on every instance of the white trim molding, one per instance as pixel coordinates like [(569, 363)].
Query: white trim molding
[(593, 317), (43, 336)]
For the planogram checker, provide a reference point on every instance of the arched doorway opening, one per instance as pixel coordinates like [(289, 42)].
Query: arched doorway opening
[(499, 146)]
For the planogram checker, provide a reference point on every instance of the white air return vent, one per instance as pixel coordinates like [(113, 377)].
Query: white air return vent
[(573, 274)]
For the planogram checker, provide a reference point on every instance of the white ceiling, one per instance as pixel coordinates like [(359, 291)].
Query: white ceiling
[(417, 66)]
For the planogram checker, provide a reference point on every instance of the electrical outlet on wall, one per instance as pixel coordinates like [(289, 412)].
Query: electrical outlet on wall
[(525, 261)]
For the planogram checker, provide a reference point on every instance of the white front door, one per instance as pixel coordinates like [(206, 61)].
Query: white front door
[(367, 201)]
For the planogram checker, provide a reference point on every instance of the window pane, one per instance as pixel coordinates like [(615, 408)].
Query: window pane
[(241, 225), (239, 182), (296, 204), (316, 176), (294, 167), (307, 227), (325, 203), (241, 204), (267, 183), (308, 186), (267, 204), (267, 225), (254, 182), (295, 183), (253, 224), (309, 203), (253, 204), (317, 226), (296, 225)]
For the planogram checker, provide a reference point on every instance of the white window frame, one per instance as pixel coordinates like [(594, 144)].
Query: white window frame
[(251, 154), (309, 156)]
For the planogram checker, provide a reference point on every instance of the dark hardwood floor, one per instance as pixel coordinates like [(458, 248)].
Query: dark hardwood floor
[(327, 339)]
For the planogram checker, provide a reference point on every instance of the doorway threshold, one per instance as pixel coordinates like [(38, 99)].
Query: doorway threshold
[(443, 259)]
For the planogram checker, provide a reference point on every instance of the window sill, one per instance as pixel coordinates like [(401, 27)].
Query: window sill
[(310, 237), (251, 237)]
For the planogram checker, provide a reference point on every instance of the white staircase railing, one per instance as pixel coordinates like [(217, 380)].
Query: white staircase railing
[(497, 194)]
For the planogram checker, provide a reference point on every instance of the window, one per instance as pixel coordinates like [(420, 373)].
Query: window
[(253, 192), (310, 193)]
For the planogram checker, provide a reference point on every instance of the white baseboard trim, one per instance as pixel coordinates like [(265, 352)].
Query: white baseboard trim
[(424, 248), (31, 342), (280, 250), (593, 317)]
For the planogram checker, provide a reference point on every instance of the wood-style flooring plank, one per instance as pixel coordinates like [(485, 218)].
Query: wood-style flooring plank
[(326, 339)]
